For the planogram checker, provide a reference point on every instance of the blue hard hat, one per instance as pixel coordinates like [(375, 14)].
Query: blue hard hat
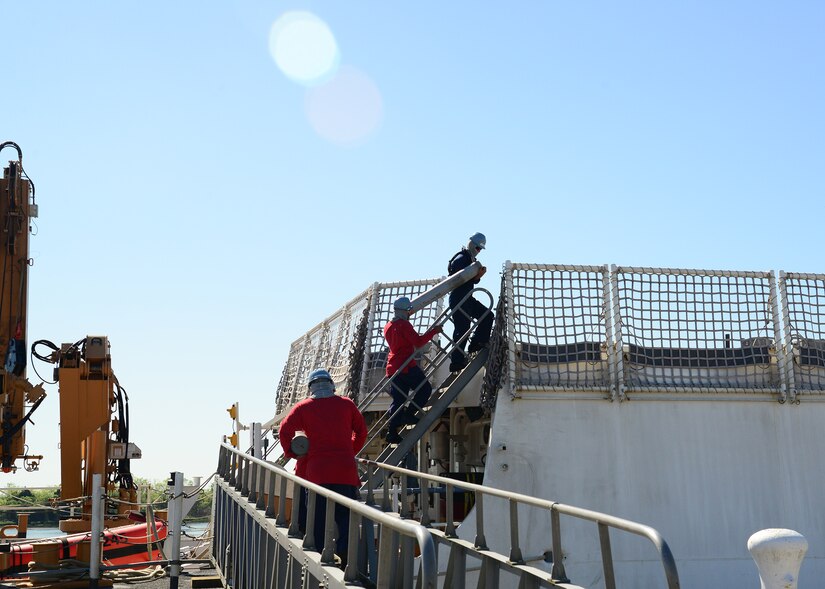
[(402, 304), (478, 240), (318, 375)]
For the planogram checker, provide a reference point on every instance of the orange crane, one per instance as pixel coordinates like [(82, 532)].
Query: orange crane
[(18, 397), (94, 413), (94, 426)]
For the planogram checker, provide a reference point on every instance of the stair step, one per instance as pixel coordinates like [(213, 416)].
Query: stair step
[(394, 454)]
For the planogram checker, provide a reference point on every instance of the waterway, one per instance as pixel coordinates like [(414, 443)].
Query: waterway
[(193, 529)]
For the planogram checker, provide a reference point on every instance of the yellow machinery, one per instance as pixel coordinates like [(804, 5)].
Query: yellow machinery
[(94, 414), (18, 398), (94, 427)]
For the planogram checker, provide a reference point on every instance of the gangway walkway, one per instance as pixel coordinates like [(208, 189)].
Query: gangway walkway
[(257, 542)]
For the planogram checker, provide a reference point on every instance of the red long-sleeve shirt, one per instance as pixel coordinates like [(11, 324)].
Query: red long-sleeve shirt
[(336, 432), (403, 340)]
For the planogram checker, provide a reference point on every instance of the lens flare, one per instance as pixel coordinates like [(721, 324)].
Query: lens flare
[(303, 47), (346, 109)]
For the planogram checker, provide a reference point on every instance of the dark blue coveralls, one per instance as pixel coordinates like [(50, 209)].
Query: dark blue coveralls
[(470, 308)]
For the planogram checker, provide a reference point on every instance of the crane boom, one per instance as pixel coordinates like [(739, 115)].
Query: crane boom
[(18, 397)]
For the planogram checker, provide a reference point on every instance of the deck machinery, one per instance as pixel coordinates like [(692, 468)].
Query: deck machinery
[(18, 398), (94, 414)]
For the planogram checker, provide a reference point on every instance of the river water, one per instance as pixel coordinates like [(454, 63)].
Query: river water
[(193, 529)]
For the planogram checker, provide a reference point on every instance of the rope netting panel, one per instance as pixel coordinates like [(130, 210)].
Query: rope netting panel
[(558, 327), (375, 347), (495, 372), (703, 330), (347, 339), (803, 298), (328, 345)]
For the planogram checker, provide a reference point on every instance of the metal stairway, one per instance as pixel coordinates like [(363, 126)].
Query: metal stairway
[(440, 400), (429, 363), (430, 366)]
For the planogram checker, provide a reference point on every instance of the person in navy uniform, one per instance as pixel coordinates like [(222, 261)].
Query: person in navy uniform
[(469, 308)]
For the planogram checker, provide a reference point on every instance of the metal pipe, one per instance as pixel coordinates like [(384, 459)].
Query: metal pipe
[(786, 345), (96, 531), (175, 520), (777, 338), (104, 567), (445, 287)]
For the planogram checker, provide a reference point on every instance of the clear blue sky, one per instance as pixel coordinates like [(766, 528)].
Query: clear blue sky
[(204, 209)]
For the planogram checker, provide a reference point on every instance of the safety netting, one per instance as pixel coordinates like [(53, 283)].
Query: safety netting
[(557, 325), (696, 329), (375, 348), (327, 345), (495, 374), (803, 298), (350, 343)]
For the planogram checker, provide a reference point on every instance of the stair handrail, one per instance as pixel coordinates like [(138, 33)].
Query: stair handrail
[(246, 474), (603, 520)]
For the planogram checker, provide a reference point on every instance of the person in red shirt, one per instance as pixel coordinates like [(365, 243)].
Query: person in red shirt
[(408, 378), (336, 433)]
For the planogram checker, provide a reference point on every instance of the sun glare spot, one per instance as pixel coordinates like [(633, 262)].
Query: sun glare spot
[(303, 47), (346, 109)]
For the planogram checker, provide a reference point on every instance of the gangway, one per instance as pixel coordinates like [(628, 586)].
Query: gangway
[(257, 541)]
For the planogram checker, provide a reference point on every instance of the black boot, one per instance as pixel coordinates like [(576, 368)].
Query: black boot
[(392, 436)]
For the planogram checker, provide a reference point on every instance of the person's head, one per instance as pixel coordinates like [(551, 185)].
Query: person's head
[(402, 307), (476, 243), (320, 384)]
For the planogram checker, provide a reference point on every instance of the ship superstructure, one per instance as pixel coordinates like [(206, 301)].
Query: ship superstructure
[(687, 400)]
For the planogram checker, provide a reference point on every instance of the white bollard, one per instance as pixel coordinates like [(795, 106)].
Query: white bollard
[(778, 554)]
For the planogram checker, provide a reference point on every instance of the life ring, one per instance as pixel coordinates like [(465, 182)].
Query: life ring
[(4, 531)]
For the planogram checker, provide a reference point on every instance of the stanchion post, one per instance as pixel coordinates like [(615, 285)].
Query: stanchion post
[(96, 531), (175, 521), (256, 439)]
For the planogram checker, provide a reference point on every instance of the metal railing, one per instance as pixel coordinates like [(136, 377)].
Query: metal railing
[(493, 566), (256, 545)]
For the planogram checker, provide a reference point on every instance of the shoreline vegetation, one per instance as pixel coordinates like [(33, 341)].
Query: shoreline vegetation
[(45, 509)]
